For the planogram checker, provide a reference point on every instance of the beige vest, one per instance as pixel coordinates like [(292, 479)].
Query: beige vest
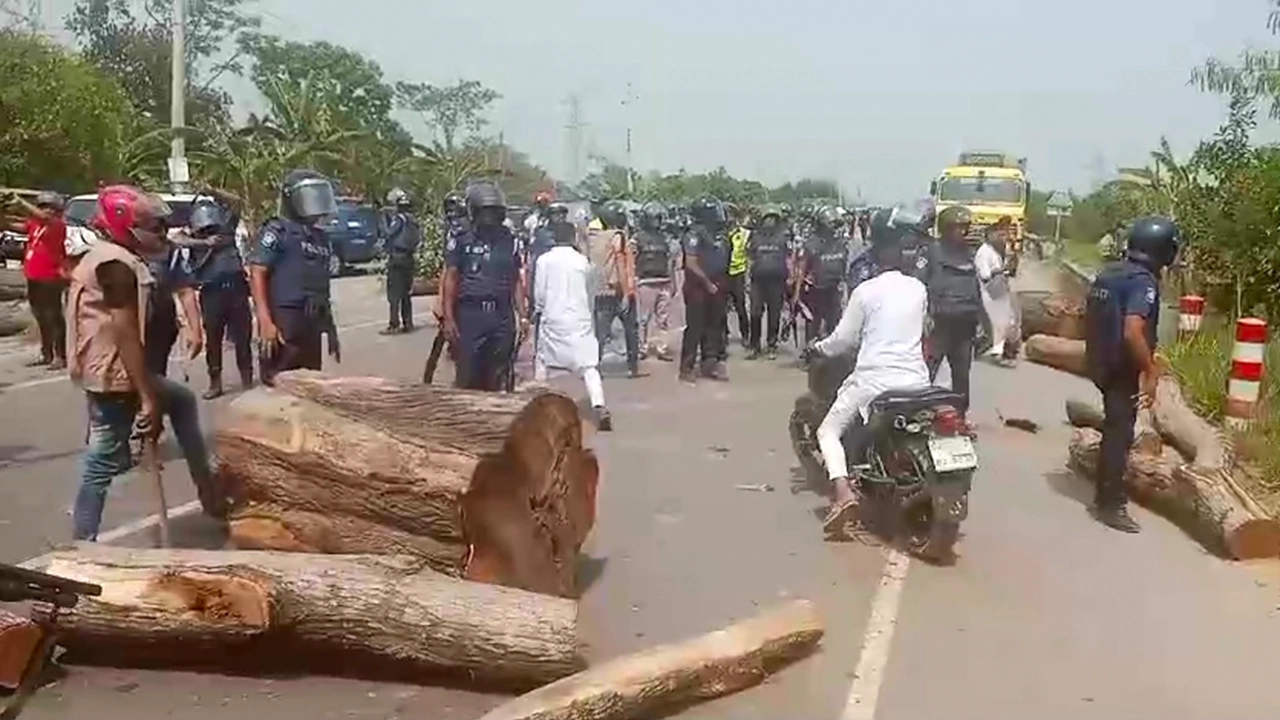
[(604, 249), (92, 355)]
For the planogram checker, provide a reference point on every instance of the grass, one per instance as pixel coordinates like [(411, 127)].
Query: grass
[(1202, 364)]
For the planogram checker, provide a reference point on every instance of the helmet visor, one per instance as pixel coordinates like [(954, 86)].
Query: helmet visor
[(313, 198)]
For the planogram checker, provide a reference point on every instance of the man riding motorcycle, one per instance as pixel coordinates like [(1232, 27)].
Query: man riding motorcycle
[(885, 321)]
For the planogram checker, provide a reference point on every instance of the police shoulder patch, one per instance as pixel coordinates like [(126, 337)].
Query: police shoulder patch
[(1151, 295), (452, 243), (268, 239), (921, 262)]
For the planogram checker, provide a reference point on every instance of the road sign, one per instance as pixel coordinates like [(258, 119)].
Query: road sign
[(1059, 204)]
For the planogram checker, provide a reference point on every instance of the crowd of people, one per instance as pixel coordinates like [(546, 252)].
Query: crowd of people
[(901, 291)]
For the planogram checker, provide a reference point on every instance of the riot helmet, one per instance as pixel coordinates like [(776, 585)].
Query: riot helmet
[(652, 216), (613, 215), (708, 211), (1153, 242), (770, 216), (398, 199), (455, 206), (307, 196), (486, 204), (558, 212), (955, 218), (207, 219), (826, 221)]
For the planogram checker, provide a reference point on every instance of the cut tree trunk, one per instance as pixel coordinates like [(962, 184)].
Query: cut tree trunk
[(490, 487), (1057, 352), (1056, 314), (664, 679), (1145, 438), (377, 616), (15, 318)]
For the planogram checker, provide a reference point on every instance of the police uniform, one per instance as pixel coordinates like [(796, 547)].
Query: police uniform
[(1120, 290), (827, 262), (296, 257), (403, 238), (487, 261), (172, 272), (767, 250), (224, 300), (736, 293), (653, 252), (705, 312)]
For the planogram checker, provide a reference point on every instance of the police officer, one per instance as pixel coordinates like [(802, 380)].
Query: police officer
[(403, 236), (824, 264), (289, 278), (455, 216), (1120, 342), (483, 297), (955, 298), (706, 259), (224, 289), (655, 280), (767, 251), (542, 240)]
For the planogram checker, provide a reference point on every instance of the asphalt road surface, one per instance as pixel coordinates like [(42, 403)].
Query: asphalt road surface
[(1046, 615)]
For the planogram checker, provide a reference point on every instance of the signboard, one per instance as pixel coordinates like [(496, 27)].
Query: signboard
[(1059, 204), (992, 159)]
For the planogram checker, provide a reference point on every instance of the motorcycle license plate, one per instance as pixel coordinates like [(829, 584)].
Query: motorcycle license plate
[(953, 453)]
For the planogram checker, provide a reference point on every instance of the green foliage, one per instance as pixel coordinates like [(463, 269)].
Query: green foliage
[(62, 121), (610, 181), (454, 111)]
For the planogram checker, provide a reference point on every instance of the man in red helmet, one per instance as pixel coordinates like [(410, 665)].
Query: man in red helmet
[(107, 306)]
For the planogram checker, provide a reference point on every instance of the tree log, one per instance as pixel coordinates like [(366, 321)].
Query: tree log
[(15, 318), (495, 488), (1057, 352), (1200, 503), (1056, 314), (1146, 440), (377, 616), (672, 677)]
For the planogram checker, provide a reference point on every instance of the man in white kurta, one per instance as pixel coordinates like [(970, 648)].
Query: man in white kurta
[(566, 330), (997, 300)]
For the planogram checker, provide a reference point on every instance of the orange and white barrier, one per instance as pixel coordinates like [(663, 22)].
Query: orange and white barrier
[(1245, 383), (1190, 314)]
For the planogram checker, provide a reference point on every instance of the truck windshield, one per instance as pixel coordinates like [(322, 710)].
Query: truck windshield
[(980, 190)]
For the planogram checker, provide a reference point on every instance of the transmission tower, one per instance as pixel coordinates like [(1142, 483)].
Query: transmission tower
[(573, 146)]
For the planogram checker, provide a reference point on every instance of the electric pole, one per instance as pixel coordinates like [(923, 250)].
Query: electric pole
[(574, 145), (626, 105), (179, 172)]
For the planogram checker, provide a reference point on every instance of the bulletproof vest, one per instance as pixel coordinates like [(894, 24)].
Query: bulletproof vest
[(218, 263), (1109, 296), (830, 260), (300, 275), (769, 252), (712, 249), (653, 255), (953, 282), (488, 265), (403, 235)]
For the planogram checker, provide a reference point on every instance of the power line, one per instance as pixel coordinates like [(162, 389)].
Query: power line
[(573, 146)]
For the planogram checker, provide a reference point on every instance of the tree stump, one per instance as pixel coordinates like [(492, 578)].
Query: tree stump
[(489, 487), (1051, 313), (1058, 353), (370, 616)]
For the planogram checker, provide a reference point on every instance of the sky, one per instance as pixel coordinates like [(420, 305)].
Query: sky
[(879, 96)]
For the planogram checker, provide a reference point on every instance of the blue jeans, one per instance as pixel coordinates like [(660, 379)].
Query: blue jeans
[(111, 417)]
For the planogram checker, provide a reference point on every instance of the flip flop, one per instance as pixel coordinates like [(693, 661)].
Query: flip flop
[(839, 516)]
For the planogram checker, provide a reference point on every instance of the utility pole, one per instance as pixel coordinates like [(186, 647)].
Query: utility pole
[(626, 105), (574, 145), (179, 172)]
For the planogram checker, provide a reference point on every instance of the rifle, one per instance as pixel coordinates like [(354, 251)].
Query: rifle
[(32, 642)]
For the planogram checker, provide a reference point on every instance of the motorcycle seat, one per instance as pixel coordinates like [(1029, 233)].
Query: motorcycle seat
[(915, 398)]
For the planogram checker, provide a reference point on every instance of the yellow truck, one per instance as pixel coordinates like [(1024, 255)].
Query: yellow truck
[(992, 185)]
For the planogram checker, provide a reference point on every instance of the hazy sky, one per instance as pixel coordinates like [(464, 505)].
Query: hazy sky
[(879, 96)]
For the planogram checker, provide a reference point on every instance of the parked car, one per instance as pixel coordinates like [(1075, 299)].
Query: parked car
[(13, 245), (80, 211), (355, 235)]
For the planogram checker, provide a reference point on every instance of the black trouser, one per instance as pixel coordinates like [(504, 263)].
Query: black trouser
[(45, 298), (1120, 408), (824, 305), (767, 294), (704, 323), (400, 292), (224, 305), (486, 342), (952, 340), (301, 341), (609, 307), (162, 332), (736, 295)]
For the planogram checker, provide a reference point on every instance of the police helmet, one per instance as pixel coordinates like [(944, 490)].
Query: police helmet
[(306, 195), (613, 214), (953, 216), (558, 211), (486, 196), (455, 205), (398, 198), (827, 219), (206, 219), (652, 215), (50, 200), (1153, 241), (707, 210)]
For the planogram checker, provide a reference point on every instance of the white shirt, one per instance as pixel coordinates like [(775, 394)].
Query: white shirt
[(987, 262), (566, 331)]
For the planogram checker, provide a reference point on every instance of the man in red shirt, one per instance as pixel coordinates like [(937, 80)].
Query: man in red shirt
[(43, 266)]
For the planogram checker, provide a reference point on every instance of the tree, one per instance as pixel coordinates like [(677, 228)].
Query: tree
[(63, 123), (453, 111), (1256, 76)]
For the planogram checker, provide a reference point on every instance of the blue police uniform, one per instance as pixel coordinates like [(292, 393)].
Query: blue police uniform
[(487, 262), (171, 271), (224, 300), (403, 238), (296, 257), (1120, 290), (705, 314), (827, 264)]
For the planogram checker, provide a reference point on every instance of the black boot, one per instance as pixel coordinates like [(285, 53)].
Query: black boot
[(1116, 517), (246, 378), (215, 387)]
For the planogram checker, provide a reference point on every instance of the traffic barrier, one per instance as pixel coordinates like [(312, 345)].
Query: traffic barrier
[(1245, 382), (1190, 314)]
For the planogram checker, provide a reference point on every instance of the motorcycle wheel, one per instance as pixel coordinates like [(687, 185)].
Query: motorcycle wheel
[(803, 428), (930, 538)]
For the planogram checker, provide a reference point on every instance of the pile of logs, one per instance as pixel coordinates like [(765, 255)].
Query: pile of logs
[(1051, 313), (482, 486)]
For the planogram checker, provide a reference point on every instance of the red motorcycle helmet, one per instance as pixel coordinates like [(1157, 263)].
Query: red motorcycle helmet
[(126, 212)]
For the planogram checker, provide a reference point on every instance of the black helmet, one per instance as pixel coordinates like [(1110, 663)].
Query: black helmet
[(1153, 242), (707, 210), (954, 215), (613, 214), (306, 195), (558, 211), (455, 205), (652, 215), (485, 196), (827, 219), (398, 198), (206, 219)]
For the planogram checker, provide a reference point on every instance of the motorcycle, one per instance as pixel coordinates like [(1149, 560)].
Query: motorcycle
[(917, 464)]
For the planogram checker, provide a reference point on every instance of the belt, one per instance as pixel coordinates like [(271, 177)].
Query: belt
[(226, 283), (485, 304)]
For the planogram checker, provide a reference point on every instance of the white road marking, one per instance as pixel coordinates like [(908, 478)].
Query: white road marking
[(864, 693), (145, 523)]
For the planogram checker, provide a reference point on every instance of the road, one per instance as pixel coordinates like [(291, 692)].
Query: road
[(1046, 615)]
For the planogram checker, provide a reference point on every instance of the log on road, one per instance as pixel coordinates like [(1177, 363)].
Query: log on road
[(378, 616), (490, 487), (1081, 413), (1051, 313), (664, 679), (1057, 352)]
